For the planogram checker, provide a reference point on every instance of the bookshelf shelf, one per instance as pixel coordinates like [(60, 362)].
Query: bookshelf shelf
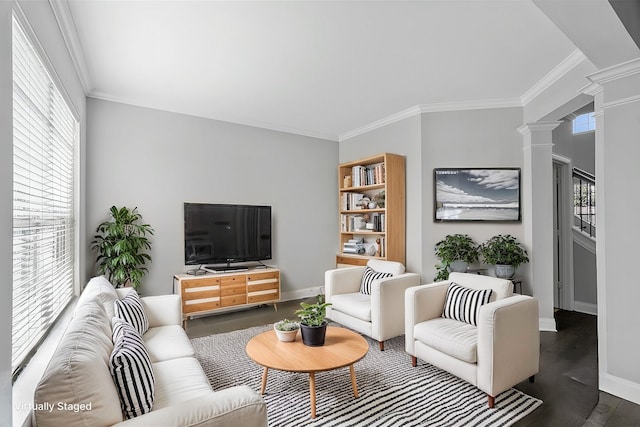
[(379, 181)]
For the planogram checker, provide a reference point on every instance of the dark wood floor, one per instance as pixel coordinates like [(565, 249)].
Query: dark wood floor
[(567, 382)]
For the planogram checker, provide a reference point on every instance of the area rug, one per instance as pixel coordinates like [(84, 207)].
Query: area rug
[(392, 392)]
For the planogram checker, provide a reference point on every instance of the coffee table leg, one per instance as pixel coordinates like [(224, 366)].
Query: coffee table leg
[(312, 393), (265, 371), (354, 384)]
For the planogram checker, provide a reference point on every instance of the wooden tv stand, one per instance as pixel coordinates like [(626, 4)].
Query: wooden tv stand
[(216, 292)]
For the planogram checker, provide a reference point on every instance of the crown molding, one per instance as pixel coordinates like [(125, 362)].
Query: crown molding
[(574, 59), (221, 118), (431, 108), (616, 72), (69, 33)]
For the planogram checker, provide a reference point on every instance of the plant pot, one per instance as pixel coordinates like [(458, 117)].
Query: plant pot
[(459, 266), (505, 271), (313, 336), (286, 336)]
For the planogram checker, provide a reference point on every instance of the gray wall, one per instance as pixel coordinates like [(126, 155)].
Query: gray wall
[(472, 138), (584, 275), (157, 160), (43, 23), (402, 137), (580, 148)]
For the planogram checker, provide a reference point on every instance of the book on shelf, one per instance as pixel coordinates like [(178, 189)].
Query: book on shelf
[(368, 175)]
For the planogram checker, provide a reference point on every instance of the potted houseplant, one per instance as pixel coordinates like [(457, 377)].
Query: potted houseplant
[(121, 244), (506, 253), (313, 325), (455, 252), (286, 330)]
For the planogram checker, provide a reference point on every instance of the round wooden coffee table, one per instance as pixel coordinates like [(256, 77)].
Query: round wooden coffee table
[(341, 348)]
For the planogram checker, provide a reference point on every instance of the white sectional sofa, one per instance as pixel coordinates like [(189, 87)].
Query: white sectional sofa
[(77, 388)]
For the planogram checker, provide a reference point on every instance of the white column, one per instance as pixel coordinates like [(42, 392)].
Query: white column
[(537, 215), (616, 91)]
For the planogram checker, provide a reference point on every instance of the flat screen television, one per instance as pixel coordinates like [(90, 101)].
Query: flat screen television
[(476, 194), (225, 233)]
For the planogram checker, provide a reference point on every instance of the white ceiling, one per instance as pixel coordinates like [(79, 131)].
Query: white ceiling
[(318, 68)]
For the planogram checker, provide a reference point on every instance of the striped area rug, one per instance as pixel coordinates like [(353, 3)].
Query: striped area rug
[(392, 392)]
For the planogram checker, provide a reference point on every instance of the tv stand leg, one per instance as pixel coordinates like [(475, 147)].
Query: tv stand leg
[(275, 306)]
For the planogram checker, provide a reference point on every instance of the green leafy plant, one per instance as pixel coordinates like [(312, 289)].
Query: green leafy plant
[(287, 325), (505, 250), (454, 247), (121, 244), (313, 314)]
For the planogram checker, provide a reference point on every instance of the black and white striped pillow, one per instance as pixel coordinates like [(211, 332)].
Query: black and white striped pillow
[(130, 310), (368, 277), (131, 370), (464, 304)]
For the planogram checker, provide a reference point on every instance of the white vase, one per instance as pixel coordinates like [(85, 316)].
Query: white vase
[(505, 271)]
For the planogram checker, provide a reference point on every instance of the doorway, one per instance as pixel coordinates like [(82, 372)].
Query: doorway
[(563, 286)]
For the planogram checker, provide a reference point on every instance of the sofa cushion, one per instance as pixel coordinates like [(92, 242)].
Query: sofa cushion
[(178, 380), (78, 374), (368, 277), (457, 339), (356, 304), (464, 304), (100, 289), (131, 370), (167, 342), (383, 266), (131, 310)]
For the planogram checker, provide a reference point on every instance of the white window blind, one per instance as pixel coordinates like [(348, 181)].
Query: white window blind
[(44, 139)]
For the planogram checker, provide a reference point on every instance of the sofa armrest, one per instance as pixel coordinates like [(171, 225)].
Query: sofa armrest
[(422, 303), (508, 343), (387, 304), (163, 310), (231, 407), (341, 281)]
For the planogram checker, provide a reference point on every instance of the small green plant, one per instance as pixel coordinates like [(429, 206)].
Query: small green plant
[(287, 325), (313, 314), (504, 250), (121, 244), (454, 247)]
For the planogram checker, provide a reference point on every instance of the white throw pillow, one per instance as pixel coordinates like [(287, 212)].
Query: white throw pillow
[(463, 304), (131, 310), (131, 370)]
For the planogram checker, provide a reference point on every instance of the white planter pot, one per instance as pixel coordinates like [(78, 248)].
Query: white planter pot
[(505, 271), (286, 336), (459, 266)]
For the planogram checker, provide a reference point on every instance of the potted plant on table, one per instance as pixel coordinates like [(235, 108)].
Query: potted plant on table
[(313, 323), (455, 252), (506, 253), (121, 244), (286, 330)]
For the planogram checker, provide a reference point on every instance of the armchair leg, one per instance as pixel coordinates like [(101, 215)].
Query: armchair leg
[(532, 379), (381, 344), (492, 401), (414, 361)]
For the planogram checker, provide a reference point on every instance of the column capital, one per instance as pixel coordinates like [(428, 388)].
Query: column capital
[(529, 128)]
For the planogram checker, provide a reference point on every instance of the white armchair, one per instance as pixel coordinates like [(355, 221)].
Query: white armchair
[(501, 351), (380, 314)]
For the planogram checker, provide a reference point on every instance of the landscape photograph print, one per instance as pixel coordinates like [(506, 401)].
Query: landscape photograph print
[(467, 194)]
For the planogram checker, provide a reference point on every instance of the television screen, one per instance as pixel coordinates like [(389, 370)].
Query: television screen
[(473, 194), (222, 233)]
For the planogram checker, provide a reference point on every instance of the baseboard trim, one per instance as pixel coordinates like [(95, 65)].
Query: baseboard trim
[(547, 324), (585, 307), (302, 293), (620, 387)]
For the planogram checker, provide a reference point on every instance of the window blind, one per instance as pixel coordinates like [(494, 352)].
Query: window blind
[(44, 139)]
